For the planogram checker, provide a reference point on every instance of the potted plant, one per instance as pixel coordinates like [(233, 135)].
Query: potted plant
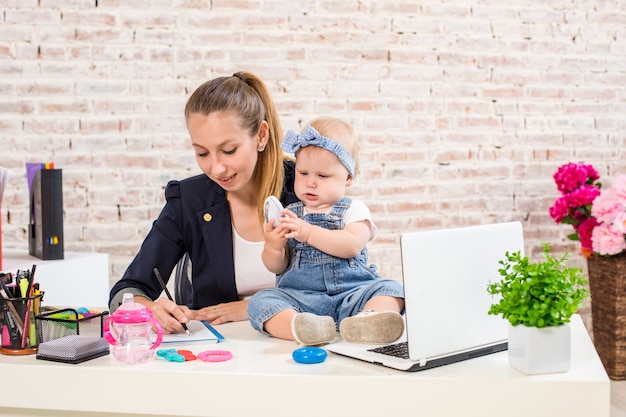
[(538, 300)]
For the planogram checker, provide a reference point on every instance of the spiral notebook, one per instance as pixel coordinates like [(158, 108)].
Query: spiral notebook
[(445, 275)]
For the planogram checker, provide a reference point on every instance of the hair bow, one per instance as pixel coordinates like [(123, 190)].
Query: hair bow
[(293, 141)]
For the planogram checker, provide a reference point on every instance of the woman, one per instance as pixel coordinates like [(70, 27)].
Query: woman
[(216, 217)]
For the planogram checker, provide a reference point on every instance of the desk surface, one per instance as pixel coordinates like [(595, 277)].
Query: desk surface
[(263, 380)]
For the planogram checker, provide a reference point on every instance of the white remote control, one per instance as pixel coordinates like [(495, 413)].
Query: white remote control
[(273, 210)]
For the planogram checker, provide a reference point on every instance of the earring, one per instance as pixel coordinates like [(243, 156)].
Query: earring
[(260, 148)]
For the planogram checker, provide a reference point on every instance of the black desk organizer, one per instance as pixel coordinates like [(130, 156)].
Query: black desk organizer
[(45, 231), (65, 329), (50, 326)]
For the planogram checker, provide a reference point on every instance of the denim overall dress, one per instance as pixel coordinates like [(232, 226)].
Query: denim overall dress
[(319, 283)]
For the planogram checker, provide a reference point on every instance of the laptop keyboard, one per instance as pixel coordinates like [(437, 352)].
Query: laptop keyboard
[(398, 350)]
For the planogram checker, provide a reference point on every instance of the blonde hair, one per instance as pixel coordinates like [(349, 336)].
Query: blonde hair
[(246, 94), (341, 132)]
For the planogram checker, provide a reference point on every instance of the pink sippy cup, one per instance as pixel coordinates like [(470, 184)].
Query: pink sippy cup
[(132, 324)]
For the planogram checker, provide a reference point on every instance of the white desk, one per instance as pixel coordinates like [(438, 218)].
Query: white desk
[(263, 380), (79, 280)]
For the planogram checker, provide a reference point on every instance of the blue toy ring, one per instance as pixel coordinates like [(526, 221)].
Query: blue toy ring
[(309, 355)]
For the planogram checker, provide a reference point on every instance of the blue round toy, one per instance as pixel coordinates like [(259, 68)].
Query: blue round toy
[(309, 355)]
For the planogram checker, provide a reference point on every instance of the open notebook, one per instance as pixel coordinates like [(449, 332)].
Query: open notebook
[(445, 275), (200, 331)]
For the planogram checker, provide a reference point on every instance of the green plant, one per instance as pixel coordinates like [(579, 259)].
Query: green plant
[(538, 294)]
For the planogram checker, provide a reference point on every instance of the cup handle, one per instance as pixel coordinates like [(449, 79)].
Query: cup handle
[(107, 332), (159, 329)]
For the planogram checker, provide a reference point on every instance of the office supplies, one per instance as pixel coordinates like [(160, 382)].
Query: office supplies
[(31, 280), (56, 324), (37, 301), (14, 333), (10, 339), (73, 349), (4, 285), (32, 330), (215, 355), (18, 315), (26, 320), (45, 229), (167, 292), (6, 338), (6, 277), (24, 282), (200, 331), (8, 301), (445, 274)]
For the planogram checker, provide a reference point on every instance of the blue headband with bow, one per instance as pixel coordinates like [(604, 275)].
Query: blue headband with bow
[(311, 137)]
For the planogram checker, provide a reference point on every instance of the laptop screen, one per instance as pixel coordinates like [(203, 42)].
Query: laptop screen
[(446, 273)]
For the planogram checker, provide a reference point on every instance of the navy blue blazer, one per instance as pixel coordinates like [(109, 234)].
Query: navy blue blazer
[(195, 220)]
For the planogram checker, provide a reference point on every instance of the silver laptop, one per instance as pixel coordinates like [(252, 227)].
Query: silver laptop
[(445, 274)]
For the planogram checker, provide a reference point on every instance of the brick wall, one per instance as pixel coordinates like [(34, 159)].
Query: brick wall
[(465, 109)]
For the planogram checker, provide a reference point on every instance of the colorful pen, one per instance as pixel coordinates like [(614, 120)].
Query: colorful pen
[(37, 299)]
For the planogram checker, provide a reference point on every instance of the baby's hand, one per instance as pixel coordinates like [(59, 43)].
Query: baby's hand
[(297, 228), (275, 237)]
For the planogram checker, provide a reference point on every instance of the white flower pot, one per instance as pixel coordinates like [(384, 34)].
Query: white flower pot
[(544, 350)]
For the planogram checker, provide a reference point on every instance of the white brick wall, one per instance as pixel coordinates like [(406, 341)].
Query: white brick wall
[(465, 109)]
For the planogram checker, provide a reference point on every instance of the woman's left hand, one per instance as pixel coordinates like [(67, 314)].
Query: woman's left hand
[(223, 313)]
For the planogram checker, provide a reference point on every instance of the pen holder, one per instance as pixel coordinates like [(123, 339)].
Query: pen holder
[(19, 334), (67, 322)]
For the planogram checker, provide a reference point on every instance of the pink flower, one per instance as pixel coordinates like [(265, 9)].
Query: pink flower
[(619, 188), (571, 176), (606, 207), (585, 230), (560, 209), (607, 241), (583, 195), (619, 223), (598, 217)]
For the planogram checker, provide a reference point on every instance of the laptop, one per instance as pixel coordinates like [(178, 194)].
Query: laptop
[(445, 274)]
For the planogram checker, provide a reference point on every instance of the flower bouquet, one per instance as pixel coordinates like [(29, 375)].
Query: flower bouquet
[(598, 216), (599, 220)]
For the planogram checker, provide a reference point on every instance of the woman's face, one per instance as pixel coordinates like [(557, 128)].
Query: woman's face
[(225, 151)]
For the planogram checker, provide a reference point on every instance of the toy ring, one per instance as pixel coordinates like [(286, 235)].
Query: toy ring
[(309, 355), (215, 355)]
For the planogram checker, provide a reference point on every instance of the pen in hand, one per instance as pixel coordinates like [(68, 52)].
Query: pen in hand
[(167, 292)]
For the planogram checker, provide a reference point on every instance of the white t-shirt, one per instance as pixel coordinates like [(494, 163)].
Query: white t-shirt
[(357, 212), (251, 275)]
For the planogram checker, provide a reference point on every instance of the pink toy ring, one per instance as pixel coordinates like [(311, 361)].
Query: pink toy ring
[(215, 355)]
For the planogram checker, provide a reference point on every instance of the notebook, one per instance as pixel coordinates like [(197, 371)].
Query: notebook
[(200, 331), (445, 274)]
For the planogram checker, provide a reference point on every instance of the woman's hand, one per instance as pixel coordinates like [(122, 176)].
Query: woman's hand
[(168, 313), (223, 313)]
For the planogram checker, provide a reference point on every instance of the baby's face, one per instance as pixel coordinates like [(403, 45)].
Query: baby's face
[(321, 179)]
